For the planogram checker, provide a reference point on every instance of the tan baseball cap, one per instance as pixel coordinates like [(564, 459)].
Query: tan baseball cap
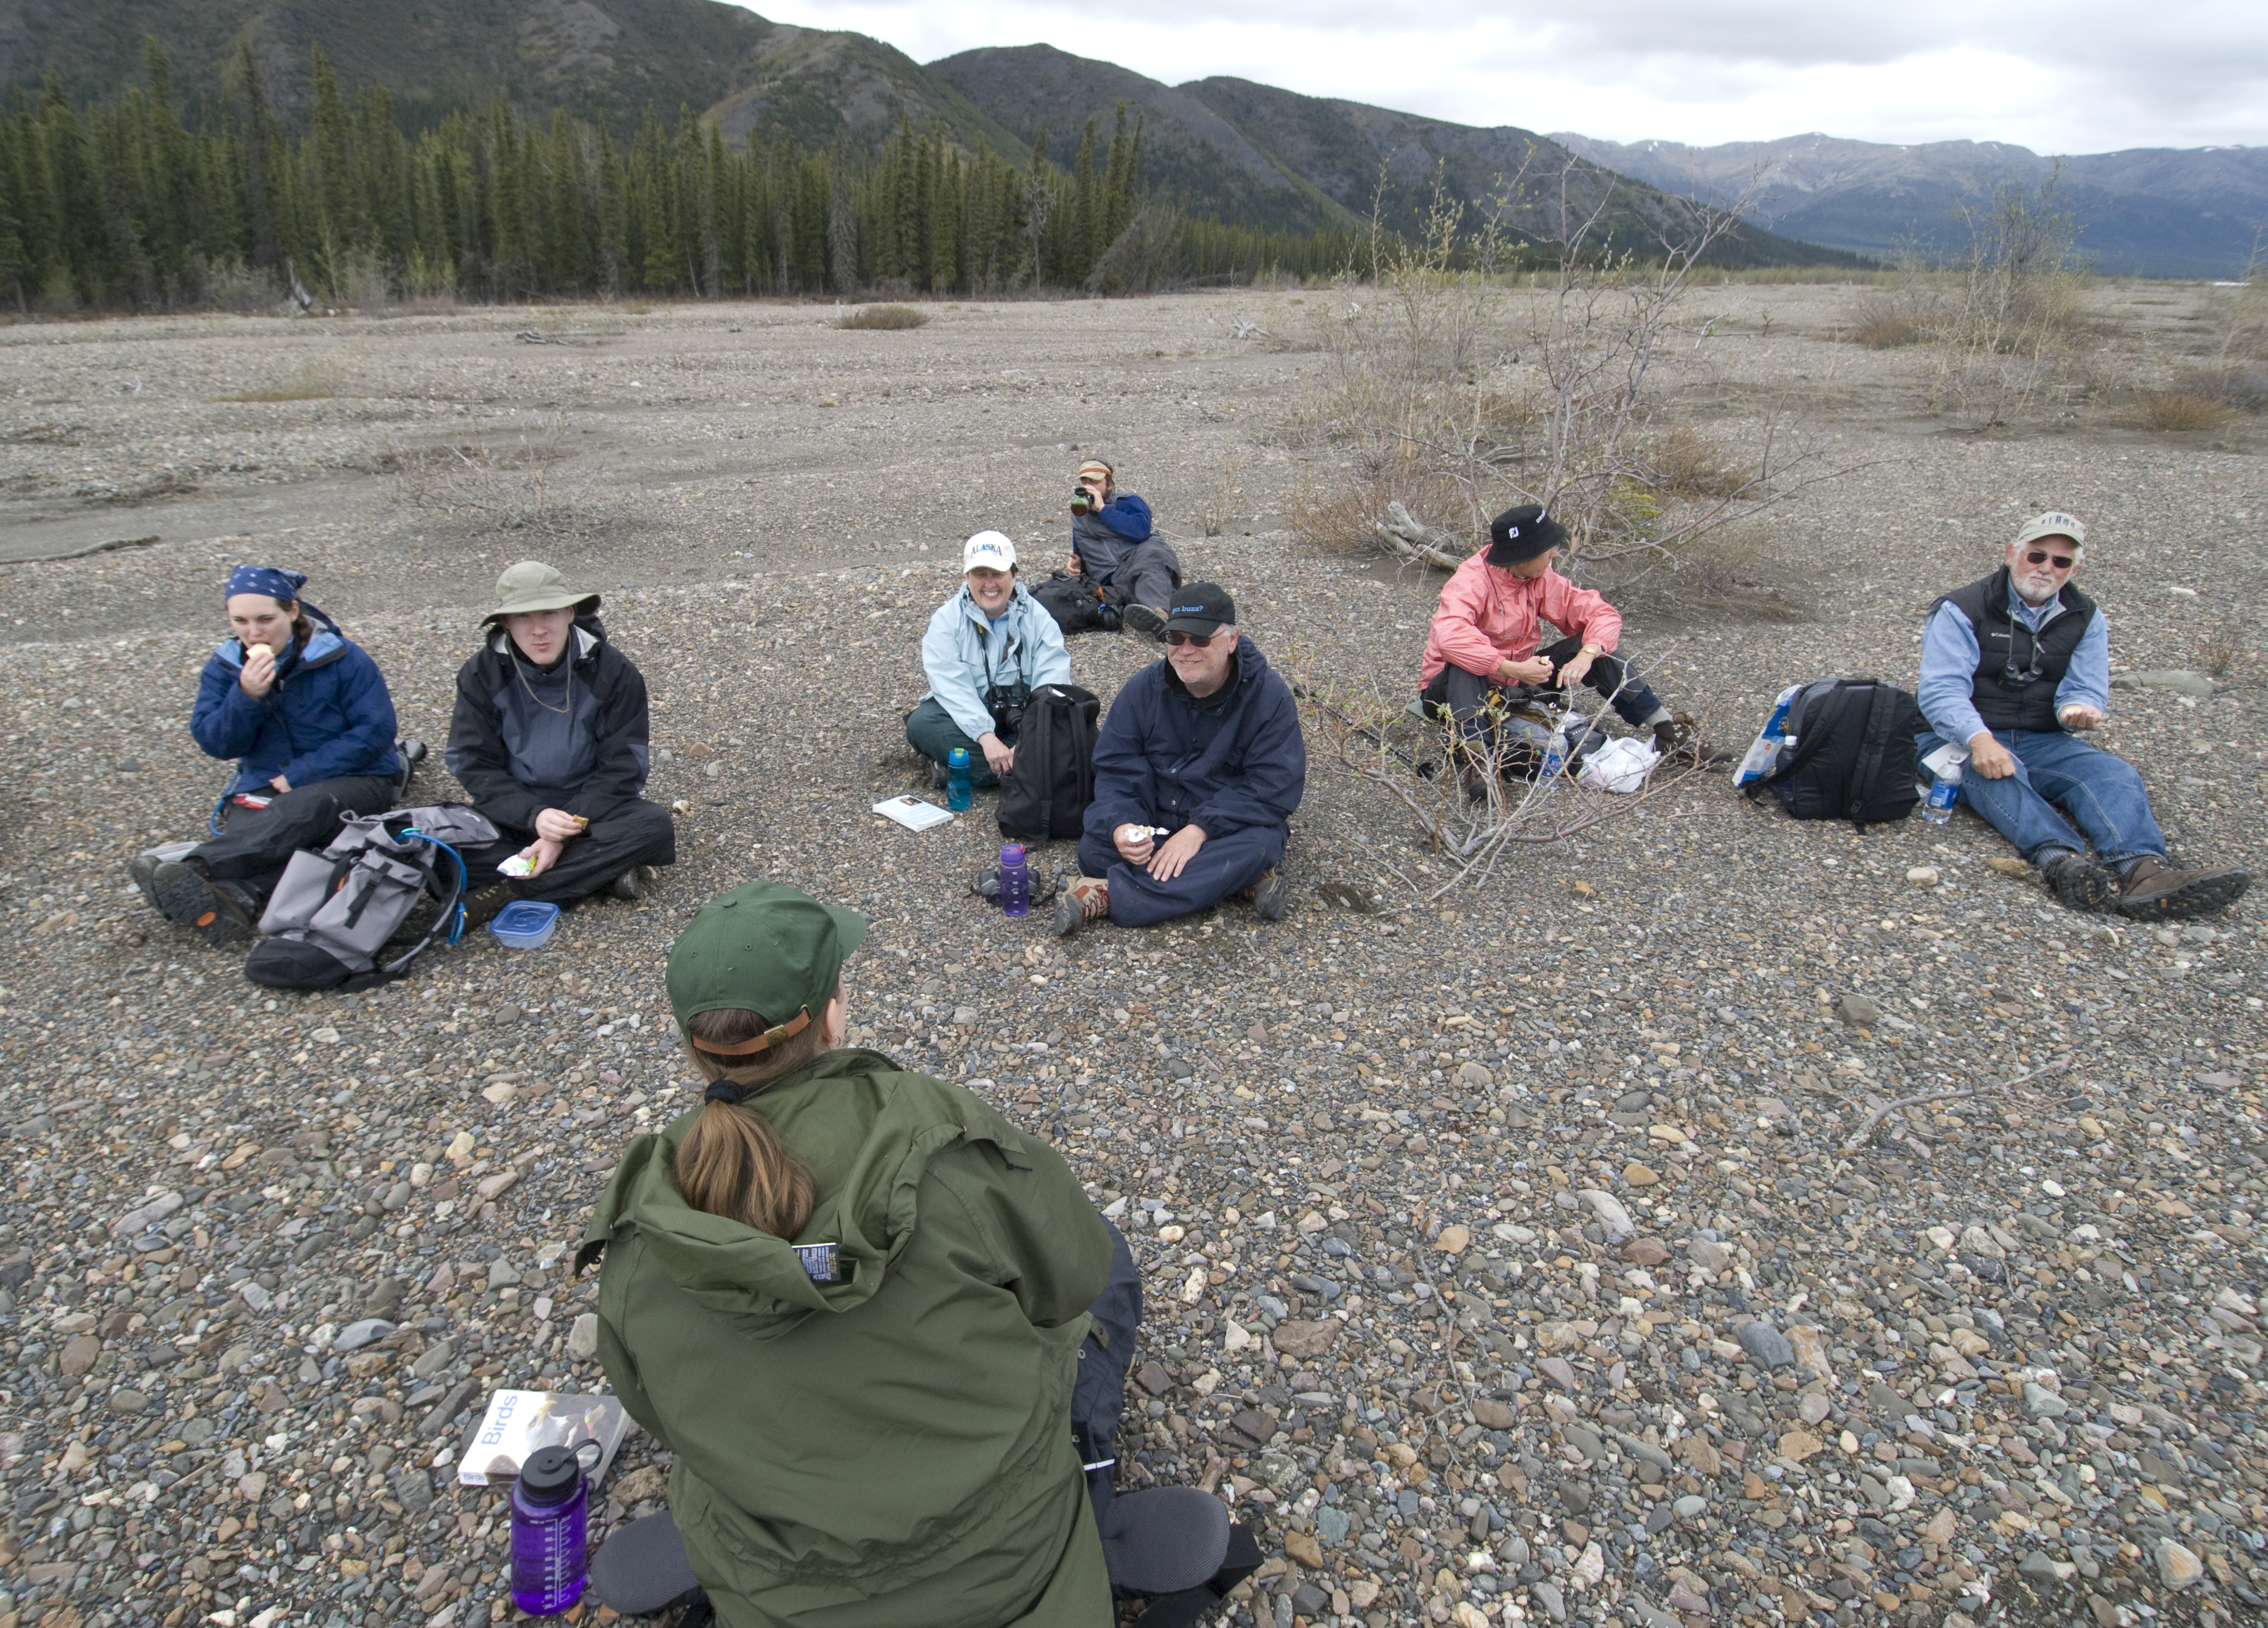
[(2054, 523)]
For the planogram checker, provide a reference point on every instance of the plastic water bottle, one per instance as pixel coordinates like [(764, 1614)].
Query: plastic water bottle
[(1015, 881), (956, 780), (1764, 753), (551, 1531), (1944, 791), (1555, 750)]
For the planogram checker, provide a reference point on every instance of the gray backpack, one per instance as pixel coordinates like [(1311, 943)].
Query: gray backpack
[(341, 918)]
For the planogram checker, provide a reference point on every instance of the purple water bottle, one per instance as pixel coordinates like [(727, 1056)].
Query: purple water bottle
[(1015, 881), (551, 1530)]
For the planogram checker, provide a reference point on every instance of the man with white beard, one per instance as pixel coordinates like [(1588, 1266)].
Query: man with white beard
[(2012, 666)]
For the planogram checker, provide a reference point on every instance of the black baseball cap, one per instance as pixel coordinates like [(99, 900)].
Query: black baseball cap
[(1199, 608), (1522, 534)]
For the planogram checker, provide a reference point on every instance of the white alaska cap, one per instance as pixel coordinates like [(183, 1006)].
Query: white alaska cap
[(989, 551)]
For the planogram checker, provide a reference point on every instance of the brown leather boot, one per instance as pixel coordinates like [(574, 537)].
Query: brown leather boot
[(1678, 739), (2154, 890)]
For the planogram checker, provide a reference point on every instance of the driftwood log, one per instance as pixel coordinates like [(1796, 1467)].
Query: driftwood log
[(1414, 539)]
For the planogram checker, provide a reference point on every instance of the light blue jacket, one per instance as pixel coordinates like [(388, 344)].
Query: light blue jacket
[(964, 655), (1948, 666)]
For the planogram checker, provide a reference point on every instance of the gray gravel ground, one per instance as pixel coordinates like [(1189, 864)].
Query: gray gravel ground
[(1505, 1262)]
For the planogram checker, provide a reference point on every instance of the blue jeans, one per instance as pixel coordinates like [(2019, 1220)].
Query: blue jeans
[(2058, 774)]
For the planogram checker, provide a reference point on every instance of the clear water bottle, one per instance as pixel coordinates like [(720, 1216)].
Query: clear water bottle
[(551, 1530), (1944, 791), (1015, 881), (956, 780), (1555, 750)]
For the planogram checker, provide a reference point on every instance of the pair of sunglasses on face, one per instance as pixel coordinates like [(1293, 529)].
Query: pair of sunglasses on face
[(1200, 641), (2063, 561)]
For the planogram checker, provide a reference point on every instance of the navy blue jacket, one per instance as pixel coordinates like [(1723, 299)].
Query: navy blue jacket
[(1231, 760), (326, 716)]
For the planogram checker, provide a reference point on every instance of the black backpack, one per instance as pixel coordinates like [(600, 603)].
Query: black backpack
[(1045, 795), (1853, 757), (1075, 603)]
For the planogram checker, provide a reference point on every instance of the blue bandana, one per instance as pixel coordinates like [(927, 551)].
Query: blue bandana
[(283, 587)]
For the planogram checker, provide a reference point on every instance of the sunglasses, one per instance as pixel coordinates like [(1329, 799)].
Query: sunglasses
[(1200, 641), (2063, 561)]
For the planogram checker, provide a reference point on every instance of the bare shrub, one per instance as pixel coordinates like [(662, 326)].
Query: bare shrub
[(1217, 509), (311, 379), (1468, 799), (890, 318), (503, 485), (2228, 648), (2240, 386), (1681, 461), (229, 284), (2013, 309), (2180, 410), (1884, 324)]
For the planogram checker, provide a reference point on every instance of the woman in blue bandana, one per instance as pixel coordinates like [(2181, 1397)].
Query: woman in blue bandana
[(307, 717)]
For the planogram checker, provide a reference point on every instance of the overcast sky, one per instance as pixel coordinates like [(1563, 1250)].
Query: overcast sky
[(2078, 76)]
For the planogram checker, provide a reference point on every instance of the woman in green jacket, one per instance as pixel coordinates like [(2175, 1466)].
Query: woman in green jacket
[(849, 1300)]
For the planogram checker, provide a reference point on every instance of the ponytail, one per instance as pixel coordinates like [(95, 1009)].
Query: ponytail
[(732, 1162)]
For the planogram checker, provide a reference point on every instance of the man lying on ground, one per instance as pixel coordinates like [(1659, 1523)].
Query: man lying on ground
[(1197, 769), (987, 648), (549, 739), (1119, 571), (2013, 667), (1483, 644), (307, 717)]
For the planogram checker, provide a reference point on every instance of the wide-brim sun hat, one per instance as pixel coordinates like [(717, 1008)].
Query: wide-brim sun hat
[(532, 586)]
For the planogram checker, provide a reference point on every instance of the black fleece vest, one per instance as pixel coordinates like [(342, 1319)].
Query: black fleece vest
[(2017, 673)]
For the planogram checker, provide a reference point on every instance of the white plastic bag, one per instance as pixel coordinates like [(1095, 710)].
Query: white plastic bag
[(1620, 765)]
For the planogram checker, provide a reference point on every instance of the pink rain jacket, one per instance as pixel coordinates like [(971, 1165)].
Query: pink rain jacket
[(1487, 615)]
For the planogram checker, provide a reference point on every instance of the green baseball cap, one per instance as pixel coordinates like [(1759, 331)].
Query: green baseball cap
[(763, 949)]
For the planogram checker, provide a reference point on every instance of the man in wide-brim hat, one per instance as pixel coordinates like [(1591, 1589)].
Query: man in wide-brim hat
[(549, 740)]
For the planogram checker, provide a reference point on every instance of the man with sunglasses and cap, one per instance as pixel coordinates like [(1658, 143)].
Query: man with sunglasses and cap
[(1487, 638), (2014, 667), (1197, 771), (550, 739)]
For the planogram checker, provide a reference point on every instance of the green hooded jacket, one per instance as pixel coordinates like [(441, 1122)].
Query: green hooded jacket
[(893, 1450)]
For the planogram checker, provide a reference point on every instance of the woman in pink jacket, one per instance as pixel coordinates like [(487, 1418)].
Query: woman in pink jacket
[(1488, 637)]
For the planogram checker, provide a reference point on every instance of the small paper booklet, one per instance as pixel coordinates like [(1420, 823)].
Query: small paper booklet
[(518, 1422), (912, 812)]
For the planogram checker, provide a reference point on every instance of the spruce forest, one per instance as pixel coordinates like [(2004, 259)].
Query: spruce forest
[(128, 204)]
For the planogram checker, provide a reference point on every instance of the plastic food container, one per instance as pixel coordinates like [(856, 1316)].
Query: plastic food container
[(525, 925)]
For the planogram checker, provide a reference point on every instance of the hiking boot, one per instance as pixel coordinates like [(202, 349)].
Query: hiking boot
[(631, 885), (1269, 896), (936, 776), (1085, 900), (187, 897), (143, 867), (481, 904), (1678, 739), (1147, 620), (2153, 889), (2077, 879)]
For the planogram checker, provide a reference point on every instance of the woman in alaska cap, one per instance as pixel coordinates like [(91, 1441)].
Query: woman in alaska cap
[(850, 1300), (306, 715)]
